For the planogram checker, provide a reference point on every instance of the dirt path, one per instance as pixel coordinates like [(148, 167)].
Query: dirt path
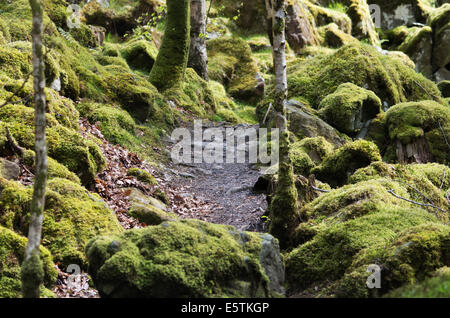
[(227, 188)]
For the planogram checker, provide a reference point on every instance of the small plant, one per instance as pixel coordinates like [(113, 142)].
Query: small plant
[(337, 6)]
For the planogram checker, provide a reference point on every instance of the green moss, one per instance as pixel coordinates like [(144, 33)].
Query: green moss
[(142, 175), (336, 168), (174, 51), (140, 54), (333, 250), (388, 77), (334, 37), (407, 122), (411, 257), (83, 35), (231, 63), (55, 169), (72, 216), (349, 108), (179, 259), (65, 145), (437, 286), (14, 63), (12, 251), (308, 153)]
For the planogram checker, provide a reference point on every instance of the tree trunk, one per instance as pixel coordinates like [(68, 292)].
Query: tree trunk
[(32, 272), (284, 206), (198, 56), (170, 65)]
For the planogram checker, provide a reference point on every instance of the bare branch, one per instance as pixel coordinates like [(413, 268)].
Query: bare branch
[(415, 202)]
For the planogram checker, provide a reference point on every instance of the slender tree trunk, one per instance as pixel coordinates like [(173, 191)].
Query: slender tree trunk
[(284, 206), (32, 271), (198, 56), (171, 62)]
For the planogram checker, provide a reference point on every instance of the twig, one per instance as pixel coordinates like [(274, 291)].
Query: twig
[(267, 112), (433, 96), (207, 14), (415, 202), (443, 180), (431, 201), (320, 190)]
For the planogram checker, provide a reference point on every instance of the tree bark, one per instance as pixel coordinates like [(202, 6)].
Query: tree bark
[(171, 62), (284, 206), (32, 272), (198, 56)]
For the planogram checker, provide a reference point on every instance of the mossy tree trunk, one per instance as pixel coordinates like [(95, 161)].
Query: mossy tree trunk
[(198, 56), (171, 62), (284, 205), (32, 271)]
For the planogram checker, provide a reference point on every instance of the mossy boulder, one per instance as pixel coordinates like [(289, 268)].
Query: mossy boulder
[(337, 167), (334, 251), (142, 176), (300, 26), (72, 217), (308, 153), (334, 37), (418, 44), (436, 286), (9, 170), (324, 16), (148, 210), (231, 63), (439, 20), (444, 87), (12, 251), (418, 131), (81, 156), (140, 54), (387, 76), (186, 259), (409, 258), (349, 108)]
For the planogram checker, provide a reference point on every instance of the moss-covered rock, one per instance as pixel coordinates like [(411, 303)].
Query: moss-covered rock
[(65, 145), (334, 37), (308, 153), (410, 257), (418, 131), (387, 76), (324, 16), (140, 54), (349, 108), (331, 254), (12, 251), (444, 87), (337, 167), (418, 44), (149, 210), (186, 259), (72, 216), (439, 20), (231, 63), (142, 176), (437, 286)]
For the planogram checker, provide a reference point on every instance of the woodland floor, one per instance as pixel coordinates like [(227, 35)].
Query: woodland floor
[(218, 193)]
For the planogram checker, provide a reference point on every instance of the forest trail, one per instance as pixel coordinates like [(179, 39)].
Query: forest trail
[(225, 188)]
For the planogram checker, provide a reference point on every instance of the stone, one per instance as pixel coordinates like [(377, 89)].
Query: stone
[(9, 170)]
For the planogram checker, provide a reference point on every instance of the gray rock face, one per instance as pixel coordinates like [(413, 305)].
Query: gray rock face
[(271, 261), (304, 124), (399, 12), (299, 28), (9, 170)]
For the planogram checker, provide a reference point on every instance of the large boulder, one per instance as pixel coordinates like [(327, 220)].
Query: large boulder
[(388, 76), (72, 217), (187, 258), (12, 251), (337, 167), (402, 12), (300, 26), (349, 108), (418, 132), (439, 20)]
